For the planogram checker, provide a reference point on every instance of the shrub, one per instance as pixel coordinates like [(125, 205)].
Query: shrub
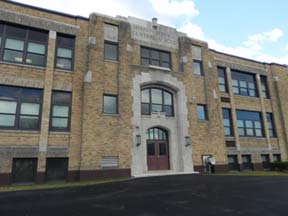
[(280, 165)]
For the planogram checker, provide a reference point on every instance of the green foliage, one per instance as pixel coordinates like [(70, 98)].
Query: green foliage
[(280, 165)]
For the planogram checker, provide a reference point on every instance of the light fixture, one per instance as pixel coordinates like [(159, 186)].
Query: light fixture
[(187, 141), (138, 140)]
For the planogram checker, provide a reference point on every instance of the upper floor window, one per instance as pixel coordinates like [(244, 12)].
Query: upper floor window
[(110, 42), (264, 87), (222, 79), (156, 100), (227, 122), (20, 108), (198, 68), (60, 111), (271, 125), (249, 123), (110, 104), (202, 112), (244, 84), (23, 45), (65, 52), (155, 57)]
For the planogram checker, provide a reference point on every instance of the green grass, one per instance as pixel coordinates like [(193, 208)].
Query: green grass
[(58, 185), (253, 173)]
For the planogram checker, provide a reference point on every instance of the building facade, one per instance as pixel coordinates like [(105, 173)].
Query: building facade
[(84, 98)]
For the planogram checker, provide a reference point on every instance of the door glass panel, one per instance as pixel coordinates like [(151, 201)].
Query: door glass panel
[(162, 149), (150, 149)]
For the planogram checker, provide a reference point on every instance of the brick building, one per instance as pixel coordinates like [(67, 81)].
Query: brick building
[(84, 98)]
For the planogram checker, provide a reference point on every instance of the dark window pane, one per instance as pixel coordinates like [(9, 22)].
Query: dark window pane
[(156, 108), (145, 61), (168, 110), (165, 57), (167, 98), (29, 122), (9, 92), (24, 170), (1, 28), (33, 59), (145, 109), (14, 31), (155, 55), (13, 56), (56, 169), (145, 53), (162, 149), (40, 36), (111, 51), (155, 62), (164, 64), (150, 149), (65, 41), (61, 97), (110, 104), (31, 95)]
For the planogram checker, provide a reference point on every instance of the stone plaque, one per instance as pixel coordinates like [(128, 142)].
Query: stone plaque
[(142, 30), (110, 33)]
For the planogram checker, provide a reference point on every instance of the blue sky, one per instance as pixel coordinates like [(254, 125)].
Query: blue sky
[(252, 29)]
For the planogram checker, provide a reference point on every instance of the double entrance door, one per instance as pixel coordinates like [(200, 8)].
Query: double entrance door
[(157, 155)]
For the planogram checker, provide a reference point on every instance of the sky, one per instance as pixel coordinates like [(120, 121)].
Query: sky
[(254, 29)]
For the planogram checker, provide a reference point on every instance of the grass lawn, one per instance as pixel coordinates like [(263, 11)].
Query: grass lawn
[(58, 185), (253, 173)]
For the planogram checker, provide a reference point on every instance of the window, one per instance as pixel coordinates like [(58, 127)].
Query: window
[(111, 51), (20, 108), (222, 79), (233, 163), (24, 170), (23, 45), (156, 100), (247, 162), (110, 104), (198, 67), (249, 123), (244, 84), (64, 52), (264, 87), (227, 122), (271, 125), (276, 157), (265, 161), (202, 112), (56, 169), (60, 111), (155, 57)]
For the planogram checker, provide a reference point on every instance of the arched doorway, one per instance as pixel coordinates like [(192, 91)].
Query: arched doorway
[(157, 149)]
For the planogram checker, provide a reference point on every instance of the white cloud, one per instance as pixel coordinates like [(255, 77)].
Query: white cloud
[(192, 30), (174, 8)]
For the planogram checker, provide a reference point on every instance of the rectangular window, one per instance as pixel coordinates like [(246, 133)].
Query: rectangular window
[(60, 111), (65, 45), (264, 87), (222, 80), (20, 108), (19, 44), (202, 112), (111, 51), (233, 163), (155, 57), (56, 169), (265, 161), (271, 125), (24, 170), (249, 123), (227, 122), (276, 157), (247, 162), (198, 68), (110, 104), (244, 84)]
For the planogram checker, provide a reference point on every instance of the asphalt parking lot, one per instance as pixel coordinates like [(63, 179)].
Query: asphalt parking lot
[(166, 195)]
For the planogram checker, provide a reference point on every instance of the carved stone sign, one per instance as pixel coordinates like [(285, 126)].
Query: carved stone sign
[(162, 35)]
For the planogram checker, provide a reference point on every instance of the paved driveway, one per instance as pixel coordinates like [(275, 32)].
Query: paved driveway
[(172, 195)]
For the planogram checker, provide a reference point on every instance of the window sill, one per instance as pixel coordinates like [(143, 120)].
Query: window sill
[(63, 71), (19, 131), (160, 68), (113, 115), (111, 61), (23, 65), (59, 132)]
